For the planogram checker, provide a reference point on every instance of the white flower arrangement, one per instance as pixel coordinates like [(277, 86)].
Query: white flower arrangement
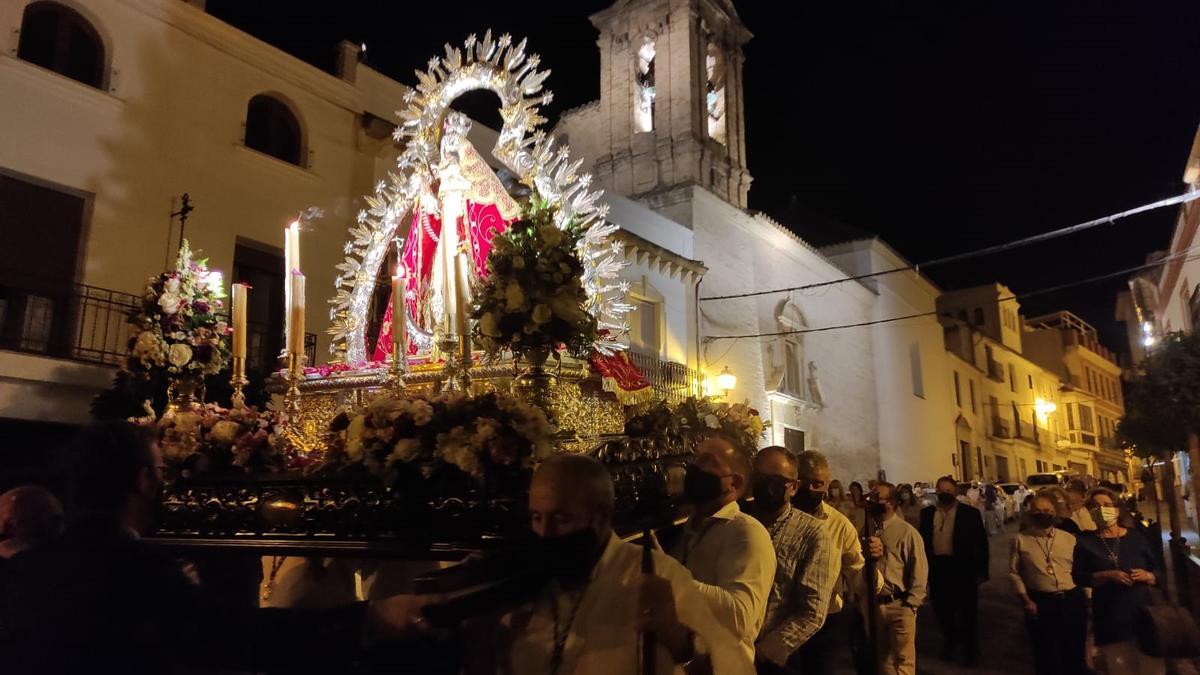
[(533, 296), (177, 329), (471, 433)]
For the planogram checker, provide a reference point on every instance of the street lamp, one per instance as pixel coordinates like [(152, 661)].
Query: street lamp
[(726, 381), (1044, 407)]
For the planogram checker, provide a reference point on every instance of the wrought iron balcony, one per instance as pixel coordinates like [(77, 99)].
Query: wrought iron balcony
[(671, 381), (89, 324)]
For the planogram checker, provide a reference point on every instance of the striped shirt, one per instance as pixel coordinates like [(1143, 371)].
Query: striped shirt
[(804, 582)]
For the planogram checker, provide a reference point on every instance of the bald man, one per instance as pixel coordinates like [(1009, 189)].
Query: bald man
[(804, 555), (587, 620), (29, 515), (727, 551)]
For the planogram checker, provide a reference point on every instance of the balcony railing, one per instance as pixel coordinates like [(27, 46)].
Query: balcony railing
[(1000, 428), (84, 324), (89, 324), (671, 381)]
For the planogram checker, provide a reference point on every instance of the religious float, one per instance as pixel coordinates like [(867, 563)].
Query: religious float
[(500, 345)]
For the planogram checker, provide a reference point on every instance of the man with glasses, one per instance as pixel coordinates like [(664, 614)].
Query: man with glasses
[(905, 575), (845, 565), (803, 582)]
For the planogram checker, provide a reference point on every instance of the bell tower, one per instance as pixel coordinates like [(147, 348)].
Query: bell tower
[(670, 114)]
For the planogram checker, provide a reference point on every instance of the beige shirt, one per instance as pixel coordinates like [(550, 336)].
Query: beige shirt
[(1042, 562), (905, 569), (847, 562), (943, 530), (732, 559), (602, 637)]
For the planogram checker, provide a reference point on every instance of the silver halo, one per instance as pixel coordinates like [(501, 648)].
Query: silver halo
[(502, 68)]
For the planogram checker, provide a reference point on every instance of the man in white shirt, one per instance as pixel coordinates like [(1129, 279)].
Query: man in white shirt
[(727, 551), (588, 620)]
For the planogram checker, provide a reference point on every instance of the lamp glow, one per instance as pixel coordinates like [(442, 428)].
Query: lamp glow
[(726, 381), (1044, 407), (1148, 341)]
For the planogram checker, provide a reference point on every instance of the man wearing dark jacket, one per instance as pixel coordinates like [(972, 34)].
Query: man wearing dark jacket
[(957, 546)]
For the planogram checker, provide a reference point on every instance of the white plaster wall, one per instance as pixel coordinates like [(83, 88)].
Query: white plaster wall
[(745, 253), (172, 122), (916, 434)]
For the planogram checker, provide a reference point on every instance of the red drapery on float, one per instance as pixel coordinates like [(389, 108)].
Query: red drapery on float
[(623, 378)]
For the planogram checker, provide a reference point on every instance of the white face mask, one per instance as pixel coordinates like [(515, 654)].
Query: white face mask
[(1106, 516)]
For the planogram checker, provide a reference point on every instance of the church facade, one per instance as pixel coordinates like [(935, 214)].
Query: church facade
[(667, 139)]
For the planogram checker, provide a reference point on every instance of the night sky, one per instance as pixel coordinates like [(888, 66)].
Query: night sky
[(940, 126)]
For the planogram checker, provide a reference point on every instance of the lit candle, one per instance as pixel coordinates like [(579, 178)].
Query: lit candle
[(296, 316), (460, 296), (449, 244), (239, 322), (291, 263), (399, 311), (292, 252)]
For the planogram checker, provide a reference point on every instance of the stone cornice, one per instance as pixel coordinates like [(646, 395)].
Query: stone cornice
[(667, 262)]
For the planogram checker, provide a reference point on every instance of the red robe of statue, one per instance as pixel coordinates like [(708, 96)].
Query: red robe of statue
[(489, 210)]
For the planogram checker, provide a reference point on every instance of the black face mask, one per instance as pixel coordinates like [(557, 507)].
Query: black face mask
[(1042, 520), (770, 493), (700, 486), (571, 556), (808, 500), (876, 509), (946, 498)]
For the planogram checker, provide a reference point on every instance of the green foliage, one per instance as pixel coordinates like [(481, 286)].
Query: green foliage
[(1162, 399), (533, 296)]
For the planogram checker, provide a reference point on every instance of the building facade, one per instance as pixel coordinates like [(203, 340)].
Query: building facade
[(113, 111), (1068, 346), (1009, 421), (668, 136)]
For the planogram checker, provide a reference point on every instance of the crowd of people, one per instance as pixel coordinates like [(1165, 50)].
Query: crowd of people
[(777, 570)]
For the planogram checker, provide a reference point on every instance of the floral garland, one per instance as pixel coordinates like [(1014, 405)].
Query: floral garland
[(177, 329), (533, 296), (695, 419), (212, 439), (470, 433)]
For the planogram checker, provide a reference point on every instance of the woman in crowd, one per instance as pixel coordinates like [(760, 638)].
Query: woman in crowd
[(836, 494), (1062, 509), (1119, 565), (910, 506), (854, 508), (1040, 565)]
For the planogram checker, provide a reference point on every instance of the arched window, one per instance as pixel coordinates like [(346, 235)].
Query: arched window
[(788, 353), (714, 96), (273, 129), (58, 38), (645, 92)]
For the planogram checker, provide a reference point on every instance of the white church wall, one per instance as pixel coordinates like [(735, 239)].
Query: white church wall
[(745, 253), (916, 433)]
